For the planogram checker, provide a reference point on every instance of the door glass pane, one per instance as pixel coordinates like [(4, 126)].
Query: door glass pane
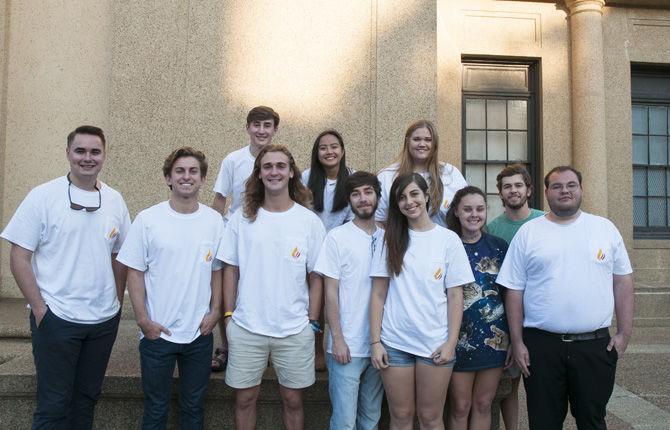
[(639, 120), (639, 212), (639, 182), (492, 171), (495, 114), (658, 120), (497, 145), (474, 114), (517, 114), (658, 150), (640, 150), (656, 182), (657, 216), (518, 146), (474, 175), (475, 145)]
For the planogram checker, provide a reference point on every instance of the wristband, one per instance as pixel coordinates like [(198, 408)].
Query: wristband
[(315, 326), (372, 343), (227, 314)]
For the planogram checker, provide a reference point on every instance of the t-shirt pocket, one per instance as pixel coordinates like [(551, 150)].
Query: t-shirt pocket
[(111, 231), (600, 253)]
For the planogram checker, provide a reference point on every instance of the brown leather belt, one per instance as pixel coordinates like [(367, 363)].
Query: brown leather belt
[(577, 337)]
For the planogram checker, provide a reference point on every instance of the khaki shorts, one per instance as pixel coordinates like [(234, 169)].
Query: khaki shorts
[(292, 358)]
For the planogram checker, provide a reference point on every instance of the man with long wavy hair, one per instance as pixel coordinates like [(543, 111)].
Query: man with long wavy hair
[(271, 296)]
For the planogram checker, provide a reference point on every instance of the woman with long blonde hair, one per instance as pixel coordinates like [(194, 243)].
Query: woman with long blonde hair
[(420, 155)]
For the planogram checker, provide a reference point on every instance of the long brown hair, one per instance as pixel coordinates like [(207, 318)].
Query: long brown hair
[(396, 235), (254, 190), (406, 164)]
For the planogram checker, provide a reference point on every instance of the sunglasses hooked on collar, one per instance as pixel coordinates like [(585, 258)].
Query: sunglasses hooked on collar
[(78, 207)]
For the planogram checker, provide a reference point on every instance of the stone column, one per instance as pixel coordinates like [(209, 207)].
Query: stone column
[(589, 148)]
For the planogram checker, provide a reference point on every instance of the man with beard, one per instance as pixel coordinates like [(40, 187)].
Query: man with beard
[(565, 273), (515, 188), (355, 386)]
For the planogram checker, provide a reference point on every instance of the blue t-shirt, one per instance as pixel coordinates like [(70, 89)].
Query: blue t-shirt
[(484, 336)]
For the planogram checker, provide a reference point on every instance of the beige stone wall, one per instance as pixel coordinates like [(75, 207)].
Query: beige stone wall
[(56, 77), (514, 30), (631, 36), (157, 75)]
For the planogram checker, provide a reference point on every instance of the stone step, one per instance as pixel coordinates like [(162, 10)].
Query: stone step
[(120, 405)]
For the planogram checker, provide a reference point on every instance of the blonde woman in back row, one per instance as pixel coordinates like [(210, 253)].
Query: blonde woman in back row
[(420, 155)]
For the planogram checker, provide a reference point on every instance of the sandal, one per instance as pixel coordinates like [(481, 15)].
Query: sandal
[(219, 360)]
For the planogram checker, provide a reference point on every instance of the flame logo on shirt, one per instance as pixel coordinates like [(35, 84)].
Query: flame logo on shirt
[(295, 253), (438, 274), (112, 234), (209, 256), (601, 255), (446, 203)]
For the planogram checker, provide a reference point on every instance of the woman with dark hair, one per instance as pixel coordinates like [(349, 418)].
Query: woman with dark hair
[(484, 337), (420, 154), (325, 178), (416, 306)]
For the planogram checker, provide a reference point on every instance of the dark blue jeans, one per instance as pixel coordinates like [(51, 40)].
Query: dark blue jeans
[(158, 358), (70, 363)]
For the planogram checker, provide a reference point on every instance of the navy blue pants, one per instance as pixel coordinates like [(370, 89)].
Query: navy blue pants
[(70, 363), (158, 358), (579, 373)]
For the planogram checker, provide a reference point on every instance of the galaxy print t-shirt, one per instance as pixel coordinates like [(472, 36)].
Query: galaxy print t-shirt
[(484, 337)]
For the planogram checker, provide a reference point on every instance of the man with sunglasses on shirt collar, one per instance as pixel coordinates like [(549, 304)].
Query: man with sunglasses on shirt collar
[(64, 239)]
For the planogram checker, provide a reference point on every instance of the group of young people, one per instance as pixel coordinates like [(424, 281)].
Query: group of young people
[(411, 277)]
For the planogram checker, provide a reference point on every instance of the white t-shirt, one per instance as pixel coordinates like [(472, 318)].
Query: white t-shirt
[(330, 220), (72, 250), (236, 168), (415, 313), (346, 256), (565, 272), (274, 255), (452, 181), (176, 252)]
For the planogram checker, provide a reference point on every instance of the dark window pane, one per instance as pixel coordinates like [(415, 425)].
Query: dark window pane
[(658, 120), (658, 150), (495, 114), (656, 180), (640, 155), (657, 215), (639, 119), (474, 114), (639, 181), (497, 145), (475, 145), (639, 212), (517, 114)]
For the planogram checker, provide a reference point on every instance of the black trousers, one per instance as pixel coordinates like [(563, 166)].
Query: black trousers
[(580, 373), (70, 362)]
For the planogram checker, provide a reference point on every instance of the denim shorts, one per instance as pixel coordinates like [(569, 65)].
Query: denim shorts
[(398, 358)]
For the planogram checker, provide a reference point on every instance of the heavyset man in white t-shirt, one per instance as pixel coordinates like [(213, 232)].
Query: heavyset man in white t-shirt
[(355, 386), (566, 271), (174, 283), (262, 125), (64, 237), (271, 295)]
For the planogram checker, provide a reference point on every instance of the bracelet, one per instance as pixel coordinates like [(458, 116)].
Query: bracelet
[(372, 343), (227, 314), (315, 326)]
